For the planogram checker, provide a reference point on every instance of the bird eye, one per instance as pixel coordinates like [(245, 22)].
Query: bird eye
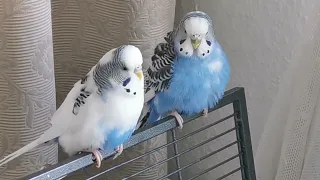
[(182, 41), (185, 31), (125, 68)]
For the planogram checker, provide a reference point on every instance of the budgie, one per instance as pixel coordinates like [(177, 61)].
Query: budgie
[(101, 110), (189, 72)]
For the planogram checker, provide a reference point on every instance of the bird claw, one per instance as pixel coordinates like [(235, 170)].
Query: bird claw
[(97, 157), (118, 150), (205, 112), (178, 118)]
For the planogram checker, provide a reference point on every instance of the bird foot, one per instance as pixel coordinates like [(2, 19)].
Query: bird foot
[(178, 118), (205, 112), (97, 157), (118, 150)]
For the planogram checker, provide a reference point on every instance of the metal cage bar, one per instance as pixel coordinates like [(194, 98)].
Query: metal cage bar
[(175, 148), (235, 96), (243, 135)]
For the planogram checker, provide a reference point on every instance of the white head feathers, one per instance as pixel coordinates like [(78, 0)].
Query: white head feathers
[(131, 56), (196, 25), (128, 54)]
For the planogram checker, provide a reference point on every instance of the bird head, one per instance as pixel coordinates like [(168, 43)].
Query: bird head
[(118, 66), (194, 36), (130, 60)]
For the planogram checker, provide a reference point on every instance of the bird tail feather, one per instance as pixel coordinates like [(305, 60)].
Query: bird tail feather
[(19, 152), (47, 137)]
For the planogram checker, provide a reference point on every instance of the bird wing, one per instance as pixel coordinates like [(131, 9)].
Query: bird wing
[(158, 75)]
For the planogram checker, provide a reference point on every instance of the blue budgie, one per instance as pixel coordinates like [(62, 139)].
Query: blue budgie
[(189, 72), (101, 110)]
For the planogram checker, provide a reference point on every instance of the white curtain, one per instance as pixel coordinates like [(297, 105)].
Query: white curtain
[(289, 148), (274, 51)]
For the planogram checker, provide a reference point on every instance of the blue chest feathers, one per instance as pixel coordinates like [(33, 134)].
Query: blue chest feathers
[(115, 138), (196, 84)]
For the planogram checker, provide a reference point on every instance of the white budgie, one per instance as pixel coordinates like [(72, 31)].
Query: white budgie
[(101, 110)]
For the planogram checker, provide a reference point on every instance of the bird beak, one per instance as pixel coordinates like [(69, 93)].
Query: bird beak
[(195, 43), (139, 74)]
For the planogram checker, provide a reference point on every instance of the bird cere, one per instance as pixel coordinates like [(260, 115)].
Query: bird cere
[(189, 74)]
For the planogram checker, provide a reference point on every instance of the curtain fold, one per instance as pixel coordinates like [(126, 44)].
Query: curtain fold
[(27, 84), (83, 31), (289, 146)]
